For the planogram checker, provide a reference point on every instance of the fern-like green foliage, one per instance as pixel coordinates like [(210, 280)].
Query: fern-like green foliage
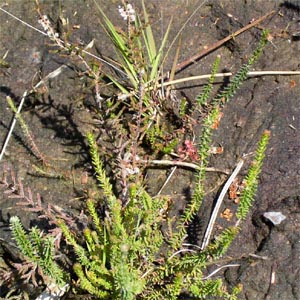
[(251, 181), (222, 242), (215, 288), (39, 250), (209, 124), (113, 203), (136, 250), (155, 136), (241, 75), (204, 96), (132, 266), (113, 261)]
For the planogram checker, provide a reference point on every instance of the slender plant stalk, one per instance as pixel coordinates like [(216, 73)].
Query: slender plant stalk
[(251, 181), (28, 134)]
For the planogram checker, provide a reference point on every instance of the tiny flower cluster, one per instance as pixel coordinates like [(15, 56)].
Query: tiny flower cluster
[(46, 24), (188, 150), (128, 13)]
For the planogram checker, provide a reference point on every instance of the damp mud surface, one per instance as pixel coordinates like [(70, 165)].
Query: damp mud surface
[(59, 116)]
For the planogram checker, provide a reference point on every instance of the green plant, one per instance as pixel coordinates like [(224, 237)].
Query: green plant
[(211, 123), (155, 136), (124, 253), (141, 59), (123, 257), (39, 251), (26, 131), (142, 67), (251, 182)]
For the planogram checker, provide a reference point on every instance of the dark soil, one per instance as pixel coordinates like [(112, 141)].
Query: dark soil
[(59, 116)]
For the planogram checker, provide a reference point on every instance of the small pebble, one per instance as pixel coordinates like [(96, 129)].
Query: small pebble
[(275, 217)]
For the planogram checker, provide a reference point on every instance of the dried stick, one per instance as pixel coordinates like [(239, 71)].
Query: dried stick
[(218, 204), (13, 124), (227, 74), (167, 180), (219, 269), (218, 44), (63, 43), (182, 164)]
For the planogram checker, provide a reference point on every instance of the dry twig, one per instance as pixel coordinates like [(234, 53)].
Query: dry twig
[(218, 204)]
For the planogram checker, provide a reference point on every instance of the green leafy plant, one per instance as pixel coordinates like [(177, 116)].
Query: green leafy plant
[(141, 60), (123, 257), (136, 50), (132, 248), (126, 255), (251, 182), (39, 251)]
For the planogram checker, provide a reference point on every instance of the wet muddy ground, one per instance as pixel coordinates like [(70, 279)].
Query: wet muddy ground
[(59, 117)]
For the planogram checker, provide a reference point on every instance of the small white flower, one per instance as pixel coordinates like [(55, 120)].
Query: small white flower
[(122, 12), (128, 13), (45, 22)]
